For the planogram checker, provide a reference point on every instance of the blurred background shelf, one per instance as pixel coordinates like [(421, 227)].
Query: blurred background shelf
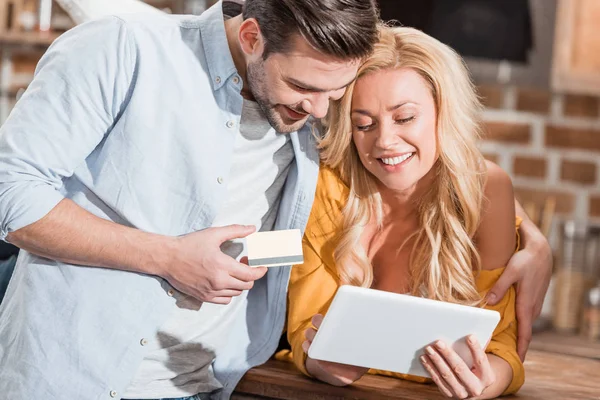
[(23, 41), (34, 38)]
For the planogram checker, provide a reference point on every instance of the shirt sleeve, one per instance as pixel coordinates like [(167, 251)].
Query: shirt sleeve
[(81, 87), (314, 283)]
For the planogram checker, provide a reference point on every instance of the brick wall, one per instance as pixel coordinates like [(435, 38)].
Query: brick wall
[(549, 144)]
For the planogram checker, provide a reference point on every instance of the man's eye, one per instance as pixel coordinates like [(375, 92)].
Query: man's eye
[(300, 88)]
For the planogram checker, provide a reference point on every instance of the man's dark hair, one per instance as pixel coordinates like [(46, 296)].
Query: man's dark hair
[(232, 8), (345, 29)]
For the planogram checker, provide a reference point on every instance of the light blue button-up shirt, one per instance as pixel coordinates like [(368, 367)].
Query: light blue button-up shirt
[(130, 118)]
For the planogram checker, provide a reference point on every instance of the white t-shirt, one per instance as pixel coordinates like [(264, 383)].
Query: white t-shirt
[(179, 360)]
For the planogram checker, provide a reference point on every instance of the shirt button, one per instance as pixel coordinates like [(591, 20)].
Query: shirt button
[(170, 292), (230, 124), (113, 393), (144, 341), (236, 80), (220, 180), (218, 79)]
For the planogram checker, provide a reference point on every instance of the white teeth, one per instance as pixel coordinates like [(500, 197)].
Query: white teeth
[(396, 160)]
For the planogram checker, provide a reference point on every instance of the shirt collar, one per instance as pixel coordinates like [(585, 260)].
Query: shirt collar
[(216, 49)]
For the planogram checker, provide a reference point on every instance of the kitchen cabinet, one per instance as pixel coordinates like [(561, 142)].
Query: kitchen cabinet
[(576, 60)]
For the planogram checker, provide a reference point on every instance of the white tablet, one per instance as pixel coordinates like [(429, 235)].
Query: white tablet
[(389, 331)]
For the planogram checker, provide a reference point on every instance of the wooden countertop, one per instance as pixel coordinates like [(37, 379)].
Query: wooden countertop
[(548, 376)]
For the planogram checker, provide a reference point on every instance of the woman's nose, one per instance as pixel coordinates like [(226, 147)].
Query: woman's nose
[(387, 137)]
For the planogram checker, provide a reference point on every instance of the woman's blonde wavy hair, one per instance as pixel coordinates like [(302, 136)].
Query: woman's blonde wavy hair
[(444, 257)]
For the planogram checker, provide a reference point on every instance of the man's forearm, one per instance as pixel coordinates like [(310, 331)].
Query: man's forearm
[(520, 212), (71, 234), (530, 233)]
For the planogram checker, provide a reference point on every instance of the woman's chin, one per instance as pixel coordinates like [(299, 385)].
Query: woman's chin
[(396, 185)]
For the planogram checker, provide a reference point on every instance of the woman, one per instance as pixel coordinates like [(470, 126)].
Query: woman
[(406, 203)]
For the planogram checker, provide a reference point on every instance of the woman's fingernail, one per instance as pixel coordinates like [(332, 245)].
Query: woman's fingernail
[(424, 359), (471, 340), (491, 297), (440, 345), (429, 350)]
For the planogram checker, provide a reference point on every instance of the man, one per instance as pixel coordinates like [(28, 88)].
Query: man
[(138, 145)]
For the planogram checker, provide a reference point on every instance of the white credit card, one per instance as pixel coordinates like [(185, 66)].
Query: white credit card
[(275, 248)]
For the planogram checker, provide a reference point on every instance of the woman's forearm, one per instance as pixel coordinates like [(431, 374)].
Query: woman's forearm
[(504, 374), (317, 372), (333, 373)]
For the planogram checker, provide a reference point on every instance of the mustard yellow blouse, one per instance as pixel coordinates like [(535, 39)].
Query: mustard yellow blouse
[(314, 283)]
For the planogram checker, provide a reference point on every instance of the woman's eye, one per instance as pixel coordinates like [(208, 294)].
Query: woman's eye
[(404, 120), (363, 127)]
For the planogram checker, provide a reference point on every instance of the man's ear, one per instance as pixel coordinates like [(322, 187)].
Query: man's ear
[(251, 38)]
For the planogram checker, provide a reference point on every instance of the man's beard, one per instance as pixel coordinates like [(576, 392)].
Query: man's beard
[(257, 84)]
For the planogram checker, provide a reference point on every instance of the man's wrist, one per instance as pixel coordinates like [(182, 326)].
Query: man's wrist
[(155, 254), (531, 237)]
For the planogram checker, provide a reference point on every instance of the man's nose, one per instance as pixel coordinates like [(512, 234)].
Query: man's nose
[(317, 106)]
